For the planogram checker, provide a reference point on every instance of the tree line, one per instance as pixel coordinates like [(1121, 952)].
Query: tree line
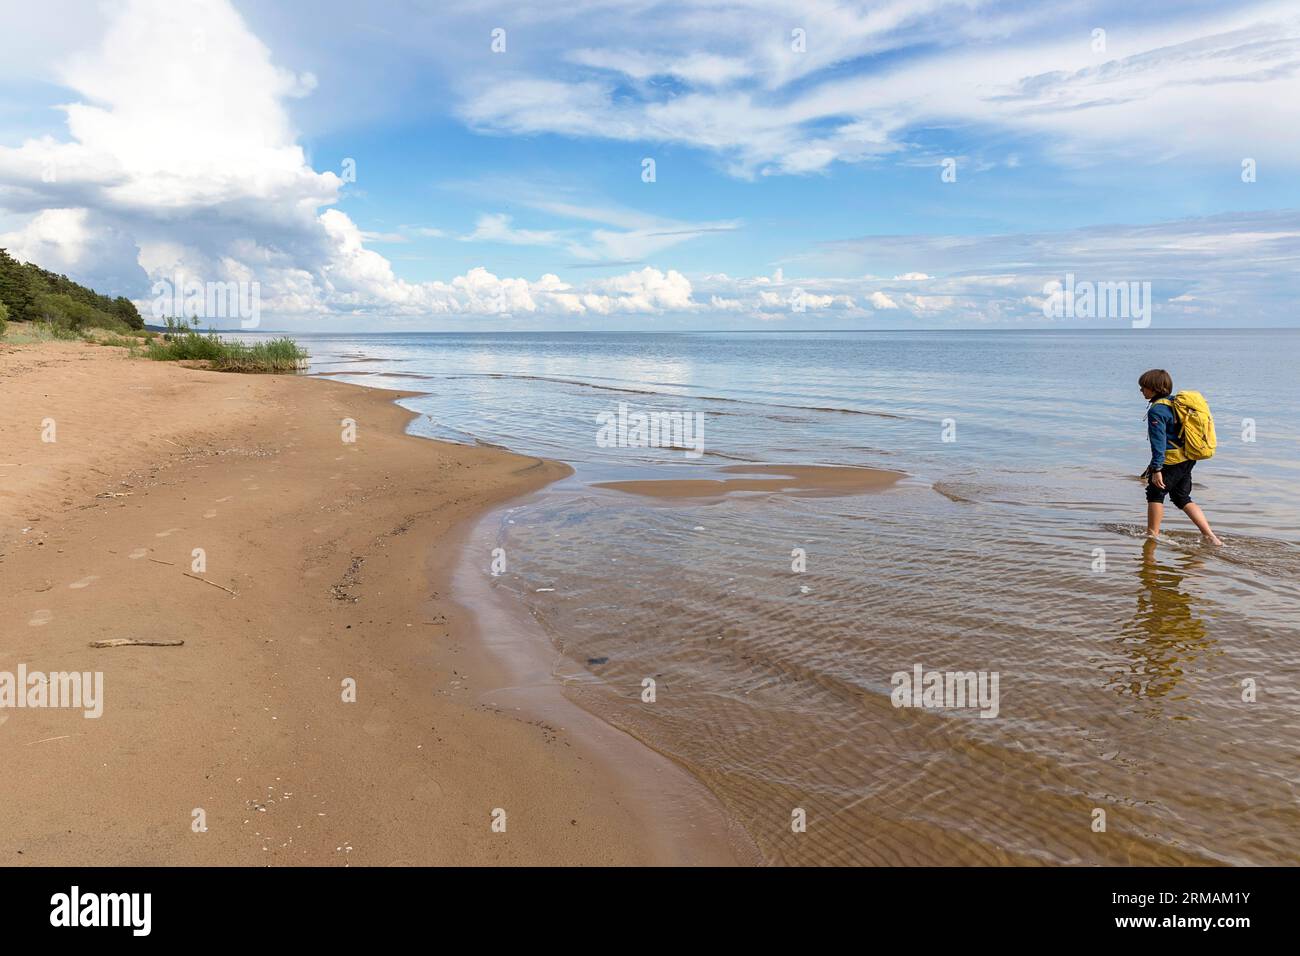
[(29, 293)]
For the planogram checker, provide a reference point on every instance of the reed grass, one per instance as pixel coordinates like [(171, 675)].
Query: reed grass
[(277, 356)]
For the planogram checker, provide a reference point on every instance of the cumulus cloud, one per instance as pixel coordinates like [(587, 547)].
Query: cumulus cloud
[(181, 162), (1229, 268), (646, 291), (180, 157), (74, 240), (179, 147)]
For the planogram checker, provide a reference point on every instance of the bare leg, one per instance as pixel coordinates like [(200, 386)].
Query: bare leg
[(1193, 511), (1155, 512)]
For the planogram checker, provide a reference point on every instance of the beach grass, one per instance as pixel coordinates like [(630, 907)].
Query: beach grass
[(134, 343), (119, 341), (177, 344), (30, 333), (277, 356), (33, 333)]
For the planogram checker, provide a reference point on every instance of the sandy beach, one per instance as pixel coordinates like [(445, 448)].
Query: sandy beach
[(319, 560)]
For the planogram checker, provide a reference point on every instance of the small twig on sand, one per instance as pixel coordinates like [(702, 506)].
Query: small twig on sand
[(128, 642), (158, 561), (206, 581)]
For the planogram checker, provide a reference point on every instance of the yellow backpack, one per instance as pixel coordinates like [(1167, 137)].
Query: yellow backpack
[(1197, 424)]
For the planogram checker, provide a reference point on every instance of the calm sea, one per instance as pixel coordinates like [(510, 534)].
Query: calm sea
[(1148, 697)]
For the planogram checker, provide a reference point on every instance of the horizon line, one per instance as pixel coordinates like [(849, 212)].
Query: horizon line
[(552, 331)]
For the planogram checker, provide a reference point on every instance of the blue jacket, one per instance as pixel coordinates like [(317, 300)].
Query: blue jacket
[(1163, 431)]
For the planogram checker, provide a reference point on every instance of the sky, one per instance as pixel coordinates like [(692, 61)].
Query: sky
[(636, 165)]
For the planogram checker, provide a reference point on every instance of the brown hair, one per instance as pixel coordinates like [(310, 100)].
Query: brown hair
[(1158, 380)]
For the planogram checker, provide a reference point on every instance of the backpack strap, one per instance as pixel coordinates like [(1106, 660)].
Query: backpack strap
[(1178, 425)]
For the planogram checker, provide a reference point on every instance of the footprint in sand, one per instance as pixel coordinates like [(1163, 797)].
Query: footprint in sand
[(84, 582), (40, 618), (138, 553), (167, 533)]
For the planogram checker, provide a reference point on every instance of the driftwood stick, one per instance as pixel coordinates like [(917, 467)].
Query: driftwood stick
[(127, 642), (206, 581)]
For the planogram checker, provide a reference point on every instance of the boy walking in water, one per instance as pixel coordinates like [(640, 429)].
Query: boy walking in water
[(1174, 480)]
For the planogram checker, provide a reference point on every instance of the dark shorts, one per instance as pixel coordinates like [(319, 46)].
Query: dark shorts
[(1178, 485)]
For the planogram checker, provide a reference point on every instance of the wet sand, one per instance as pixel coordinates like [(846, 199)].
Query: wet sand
[(322, 560)]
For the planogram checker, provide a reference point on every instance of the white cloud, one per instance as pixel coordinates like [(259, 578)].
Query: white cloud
[(177, 160), (181, 143), (620, 235), (1181, 83), (496, 227), (702, 68), (648, 290), (181, 159)]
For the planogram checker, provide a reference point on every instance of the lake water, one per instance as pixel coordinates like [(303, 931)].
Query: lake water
[(1158, 685)]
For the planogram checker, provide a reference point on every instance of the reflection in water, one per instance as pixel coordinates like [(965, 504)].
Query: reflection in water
[(1166, 632)]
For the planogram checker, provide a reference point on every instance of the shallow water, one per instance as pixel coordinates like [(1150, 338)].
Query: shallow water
[(1014, 550)]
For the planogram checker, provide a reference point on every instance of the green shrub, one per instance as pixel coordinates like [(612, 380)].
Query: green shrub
[(58, 308), (118, 341), (277, 355), (33, 294)]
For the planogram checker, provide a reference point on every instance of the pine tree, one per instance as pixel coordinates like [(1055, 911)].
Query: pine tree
[(16, 290), (127, 312)]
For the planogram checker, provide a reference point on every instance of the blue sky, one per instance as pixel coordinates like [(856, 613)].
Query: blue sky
[(144, 140)]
